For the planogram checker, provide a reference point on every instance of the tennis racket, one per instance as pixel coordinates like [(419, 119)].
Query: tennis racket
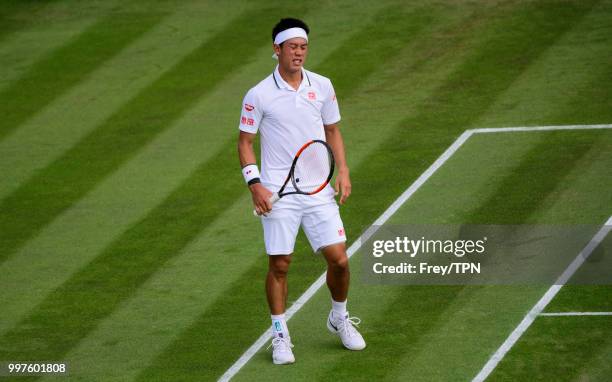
[(311, 171)]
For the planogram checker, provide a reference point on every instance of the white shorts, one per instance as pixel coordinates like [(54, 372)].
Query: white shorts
[(321, 223)]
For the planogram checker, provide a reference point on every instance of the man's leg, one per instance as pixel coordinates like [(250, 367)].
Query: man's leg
[(338, 274), (280, 230), (276, 283), (338, 277), (276, 291)]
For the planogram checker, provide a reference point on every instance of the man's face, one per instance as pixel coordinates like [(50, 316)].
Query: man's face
[(292, 54)]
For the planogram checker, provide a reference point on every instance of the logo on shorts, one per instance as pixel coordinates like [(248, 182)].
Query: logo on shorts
[(312, 96), (248, 107), (341, 232)]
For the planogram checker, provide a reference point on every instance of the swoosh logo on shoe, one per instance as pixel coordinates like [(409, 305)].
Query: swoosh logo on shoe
[(332, 325)]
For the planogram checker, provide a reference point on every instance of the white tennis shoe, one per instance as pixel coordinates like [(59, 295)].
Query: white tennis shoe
[(344, 327), (281, 351)]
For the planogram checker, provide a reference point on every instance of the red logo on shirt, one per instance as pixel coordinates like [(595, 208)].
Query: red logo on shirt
[(247, 121), (248, 107), (312, 96), (341, 232)]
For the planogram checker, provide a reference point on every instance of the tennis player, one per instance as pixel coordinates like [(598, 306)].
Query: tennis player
[(290, 107)]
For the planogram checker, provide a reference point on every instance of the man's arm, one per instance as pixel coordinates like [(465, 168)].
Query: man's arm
[(260, 194), (343, 181)]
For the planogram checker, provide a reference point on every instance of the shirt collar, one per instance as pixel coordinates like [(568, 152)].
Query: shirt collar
[(281, 83)]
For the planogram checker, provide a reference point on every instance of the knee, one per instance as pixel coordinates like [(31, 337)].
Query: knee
[(340, 264), (279, 266)]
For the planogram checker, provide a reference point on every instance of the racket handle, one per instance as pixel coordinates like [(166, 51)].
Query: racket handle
[(273, 199)]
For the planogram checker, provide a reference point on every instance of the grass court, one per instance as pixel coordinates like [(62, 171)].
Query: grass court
[(127, 244)]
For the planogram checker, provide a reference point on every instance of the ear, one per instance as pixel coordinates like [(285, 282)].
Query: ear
[(277, 49)]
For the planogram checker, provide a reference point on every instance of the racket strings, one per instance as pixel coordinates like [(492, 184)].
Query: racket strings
[(312, 168)]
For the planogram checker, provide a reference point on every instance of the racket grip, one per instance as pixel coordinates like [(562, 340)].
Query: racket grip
[(272, 200)]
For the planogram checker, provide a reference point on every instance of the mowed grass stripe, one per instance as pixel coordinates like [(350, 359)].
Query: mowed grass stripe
[(16, 15), (150, 243), (451, 203), (574, 70), (427, 134), (209, 331), (542, 170), (350, 65), (61, 124), (171, 299), (63, 68), (513, 42), (115, 275), (590, 102), (127, 195), (34, 35), (579, 97), (565, 349), (68, 178)]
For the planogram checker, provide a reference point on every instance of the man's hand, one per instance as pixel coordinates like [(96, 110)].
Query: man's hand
[(343, 184), (261, 198)]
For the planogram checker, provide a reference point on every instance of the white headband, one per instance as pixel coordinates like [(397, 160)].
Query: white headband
[(290, 33)]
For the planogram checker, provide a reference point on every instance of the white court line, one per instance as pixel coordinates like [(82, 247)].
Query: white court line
[(540, 305), (565, 314), (407, 194), (540, 128)]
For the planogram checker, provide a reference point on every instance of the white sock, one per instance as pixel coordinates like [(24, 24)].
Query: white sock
[(279, 326), (339, 308)]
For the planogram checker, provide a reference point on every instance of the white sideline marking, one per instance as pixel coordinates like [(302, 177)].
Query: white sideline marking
[(540, 305), (559, 314), (540, 128), (407, 194)]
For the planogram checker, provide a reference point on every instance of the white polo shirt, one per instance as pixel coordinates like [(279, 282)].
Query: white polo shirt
[(287, 119)]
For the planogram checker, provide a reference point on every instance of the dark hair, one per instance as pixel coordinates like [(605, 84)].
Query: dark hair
[(287, 23)]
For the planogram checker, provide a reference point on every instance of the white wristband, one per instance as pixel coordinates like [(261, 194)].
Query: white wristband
[(250, 172)]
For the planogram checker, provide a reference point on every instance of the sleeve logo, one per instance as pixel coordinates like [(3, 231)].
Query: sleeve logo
[(248, 107), (247, 121)]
